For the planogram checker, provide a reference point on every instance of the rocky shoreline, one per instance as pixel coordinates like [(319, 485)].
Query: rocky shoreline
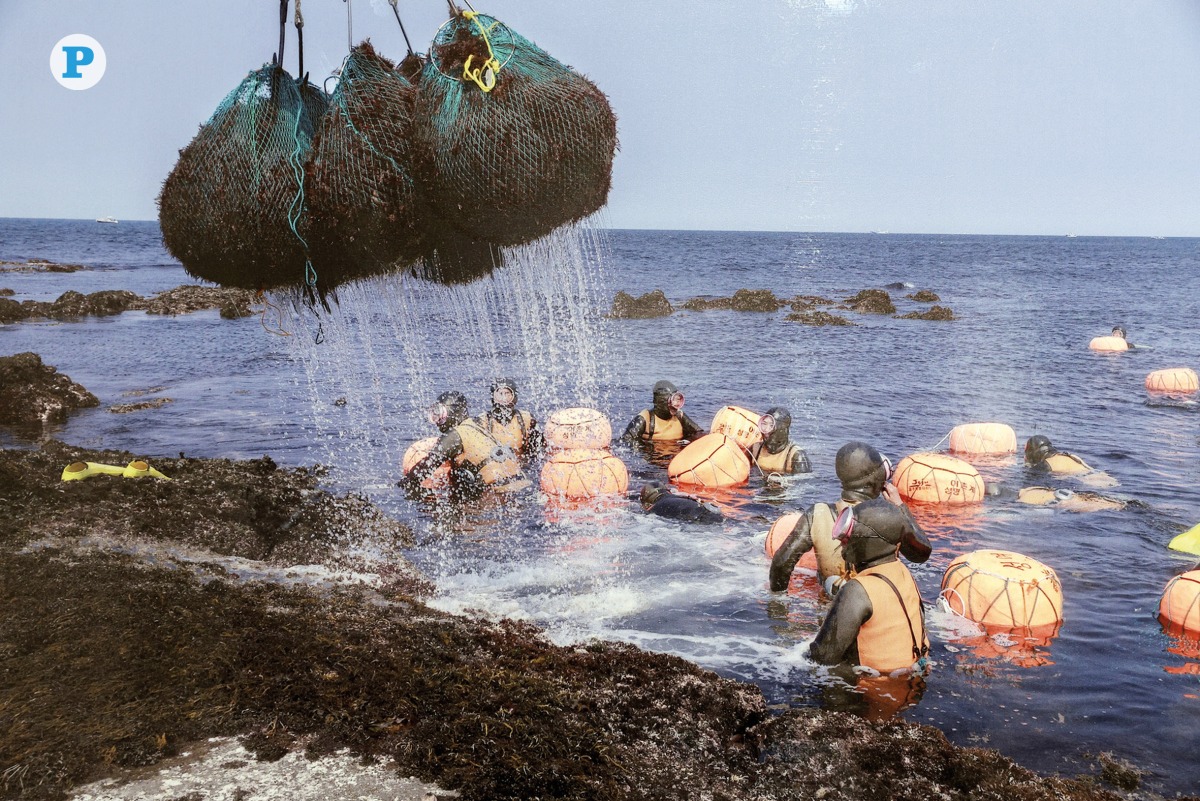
[(72, 305), (804, 308), (145, 617)]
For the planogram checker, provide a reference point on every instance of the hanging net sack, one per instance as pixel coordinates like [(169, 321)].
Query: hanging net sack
[(230, 206), (510, 143), (364, 214)]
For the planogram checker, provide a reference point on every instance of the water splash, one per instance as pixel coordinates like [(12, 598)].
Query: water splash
[(390, 344)]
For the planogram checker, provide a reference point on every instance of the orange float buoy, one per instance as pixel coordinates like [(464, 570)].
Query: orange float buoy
[(579, 427), (983, 438), (714, 460), (1175, 379), (584, 473), (1004, 590), (779, 532), (418, 451), (937, 478), (1179, 609), (737, 423), (1108, 344)]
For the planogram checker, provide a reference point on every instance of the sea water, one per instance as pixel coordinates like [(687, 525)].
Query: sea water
[(1027, 306)]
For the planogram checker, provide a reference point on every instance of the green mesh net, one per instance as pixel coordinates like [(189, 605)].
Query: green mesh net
[(509, 165), (229, 209), (364, 213)]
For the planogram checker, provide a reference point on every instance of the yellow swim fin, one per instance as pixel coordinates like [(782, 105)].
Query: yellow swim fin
[(1188, 541), (77, 470), (140, 469)]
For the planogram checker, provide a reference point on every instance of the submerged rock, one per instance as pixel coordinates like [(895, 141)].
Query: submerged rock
[(126, 408), (38, 266), (651, 304), (805, 302), (872, 301), (817, 318), (756, 300), (924, 296), (33, 393), (708, 304), (932, 313)]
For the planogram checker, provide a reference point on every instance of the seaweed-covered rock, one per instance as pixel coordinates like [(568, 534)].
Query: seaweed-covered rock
[(708, 304), (817, 318), (33, 393), (756, 300), (932, 313), (651, 304), (5, 292), (11, 311), (872, 301), (38, 266), (191, 297), (924, 296)]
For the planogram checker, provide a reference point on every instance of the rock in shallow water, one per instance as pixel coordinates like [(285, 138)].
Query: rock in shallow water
[(33, 393)]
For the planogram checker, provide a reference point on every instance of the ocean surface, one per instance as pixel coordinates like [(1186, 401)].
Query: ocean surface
[(345, 387)]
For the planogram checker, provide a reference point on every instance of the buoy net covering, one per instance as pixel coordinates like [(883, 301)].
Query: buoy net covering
[(1175, 379), (987, 439), (1003, 589), (714, 460), (510, 163), (230, 206), (584, 473), (937, 478), (739, 424), (578, 427), (1179, 608), (1108, 344), (418, 451)]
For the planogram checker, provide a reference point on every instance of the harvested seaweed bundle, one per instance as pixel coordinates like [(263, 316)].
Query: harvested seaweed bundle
[(229, 207), (365, 216), (509, 143)]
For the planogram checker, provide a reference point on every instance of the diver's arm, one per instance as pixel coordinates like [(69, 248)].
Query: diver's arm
[(839, 632), (914, 546), (798, 543), (690, 429), (635, 430)]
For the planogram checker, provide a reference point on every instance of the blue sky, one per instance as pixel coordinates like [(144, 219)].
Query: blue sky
[(955, 116)]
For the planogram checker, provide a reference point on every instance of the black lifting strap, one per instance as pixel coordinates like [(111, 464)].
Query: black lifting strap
[(283, 4), (399, 21)]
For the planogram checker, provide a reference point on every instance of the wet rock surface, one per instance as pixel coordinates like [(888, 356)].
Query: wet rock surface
[(651, 304), (924, 296), (191, 297), (33, 394), (138, 406), (127, 634)]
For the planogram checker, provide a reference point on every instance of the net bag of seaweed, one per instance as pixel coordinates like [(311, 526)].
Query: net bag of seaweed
[(363, 210), (510, 143), (230, 206)]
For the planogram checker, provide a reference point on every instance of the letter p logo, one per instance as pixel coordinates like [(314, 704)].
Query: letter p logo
[(78, 57), (77, 61)]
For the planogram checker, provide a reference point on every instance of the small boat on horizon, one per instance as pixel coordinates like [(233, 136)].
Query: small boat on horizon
[(107, 220)]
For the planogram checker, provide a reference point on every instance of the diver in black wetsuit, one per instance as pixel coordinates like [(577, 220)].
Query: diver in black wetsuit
[(777, 454), (1119, 332), (658, 500), (877, 618), (664, 421), (864, 474)]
